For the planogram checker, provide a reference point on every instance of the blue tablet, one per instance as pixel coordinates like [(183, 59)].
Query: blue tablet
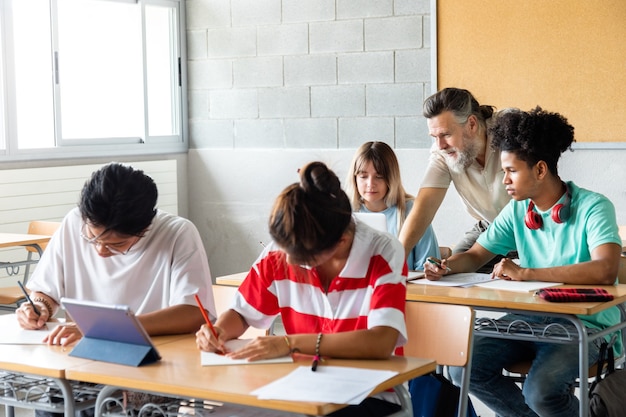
[(111, 333)]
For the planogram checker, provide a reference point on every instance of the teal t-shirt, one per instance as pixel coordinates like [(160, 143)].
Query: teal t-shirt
[(591, 223)]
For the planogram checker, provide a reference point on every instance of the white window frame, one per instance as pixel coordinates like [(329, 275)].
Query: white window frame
[(96, 147)]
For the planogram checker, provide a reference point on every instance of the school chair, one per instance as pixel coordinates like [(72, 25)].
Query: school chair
[(445, 251), (223, 295), (12, 297), (443, 332)]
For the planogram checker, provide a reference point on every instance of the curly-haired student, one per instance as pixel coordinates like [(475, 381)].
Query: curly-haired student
[(563, 233)]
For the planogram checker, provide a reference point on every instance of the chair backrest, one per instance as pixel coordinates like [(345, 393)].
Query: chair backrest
[(445, 251), (39, 227), (439, 331), (223, 295)]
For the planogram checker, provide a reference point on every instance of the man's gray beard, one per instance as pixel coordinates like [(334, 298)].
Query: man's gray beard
[(462, 162), (465, 158)]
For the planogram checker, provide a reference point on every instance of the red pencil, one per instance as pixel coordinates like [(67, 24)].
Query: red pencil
[(206, 318)]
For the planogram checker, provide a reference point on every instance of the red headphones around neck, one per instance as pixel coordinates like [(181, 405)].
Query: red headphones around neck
[(559, 213)]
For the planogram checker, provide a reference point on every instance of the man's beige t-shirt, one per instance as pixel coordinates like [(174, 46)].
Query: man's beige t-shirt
[(480, 189)]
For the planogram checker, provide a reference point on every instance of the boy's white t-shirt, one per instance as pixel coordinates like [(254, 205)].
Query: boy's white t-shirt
[(166, 267)]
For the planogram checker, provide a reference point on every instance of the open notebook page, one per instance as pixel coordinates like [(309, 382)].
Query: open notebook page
[(212, 358), (13, 334), (456, 280)]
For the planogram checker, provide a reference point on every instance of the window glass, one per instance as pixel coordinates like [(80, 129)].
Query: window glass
[(2, 95), (33, 94), (100, 64), (82, 77), (162, 71)]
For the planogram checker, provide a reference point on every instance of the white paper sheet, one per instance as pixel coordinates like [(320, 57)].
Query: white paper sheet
[(213, 359), (457, 280), (519, 286), (13, 334), (415, 275), (335, 384)]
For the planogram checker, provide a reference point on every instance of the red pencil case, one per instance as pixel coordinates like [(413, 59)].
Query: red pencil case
[(564, 295)]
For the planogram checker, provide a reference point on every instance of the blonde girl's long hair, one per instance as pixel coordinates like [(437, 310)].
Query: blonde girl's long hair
[(385, 162)]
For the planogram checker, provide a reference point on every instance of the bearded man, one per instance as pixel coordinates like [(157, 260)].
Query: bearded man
[(461, 154)]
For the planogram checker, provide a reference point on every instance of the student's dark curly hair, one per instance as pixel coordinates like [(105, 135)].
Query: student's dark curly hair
[(310, 217), (532, 136)]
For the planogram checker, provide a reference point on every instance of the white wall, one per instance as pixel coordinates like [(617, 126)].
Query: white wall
[(249, 69), (232, 191), (300, 74), (181, 172), (277, 83)]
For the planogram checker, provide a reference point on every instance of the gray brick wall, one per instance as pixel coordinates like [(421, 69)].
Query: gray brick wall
[(298, 74)]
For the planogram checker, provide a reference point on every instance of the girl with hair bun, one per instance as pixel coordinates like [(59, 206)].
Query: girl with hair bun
[(338, 286)]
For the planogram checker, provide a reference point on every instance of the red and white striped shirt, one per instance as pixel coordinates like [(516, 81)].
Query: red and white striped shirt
[(370, 291)]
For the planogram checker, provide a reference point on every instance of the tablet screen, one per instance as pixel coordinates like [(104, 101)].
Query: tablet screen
[(106, 321)]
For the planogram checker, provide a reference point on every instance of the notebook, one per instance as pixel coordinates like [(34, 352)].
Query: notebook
[(111, 333), (466, 279), (377, 221), (212, 358)]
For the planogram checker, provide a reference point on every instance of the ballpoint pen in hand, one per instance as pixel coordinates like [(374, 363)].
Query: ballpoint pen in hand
[(433, 261), (206, 318), (35, 309)]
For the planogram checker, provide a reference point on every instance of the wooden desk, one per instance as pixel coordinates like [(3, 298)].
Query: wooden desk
[(179, 373), (9, 240), (527, 303), (34, 376), (22, 239), (485, 298)]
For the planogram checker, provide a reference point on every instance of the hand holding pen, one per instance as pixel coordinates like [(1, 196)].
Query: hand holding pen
[(35, 309), (434, 269), (29, 316), (202, 341)]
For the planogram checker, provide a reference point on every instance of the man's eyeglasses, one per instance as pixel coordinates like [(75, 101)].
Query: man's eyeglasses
[(118, 249)]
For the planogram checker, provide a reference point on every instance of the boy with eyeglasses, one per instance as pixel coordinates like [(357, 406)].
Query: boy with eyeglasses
[(117, 248)]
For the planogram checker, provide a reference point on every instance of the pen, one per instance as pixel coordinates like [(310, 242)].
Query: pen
[(432, 261), (316, 360), (206, 318), (35, 309)]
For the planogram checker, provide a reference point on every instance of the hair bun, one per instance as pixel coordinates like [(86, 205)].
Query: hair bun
[(316, 177)]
